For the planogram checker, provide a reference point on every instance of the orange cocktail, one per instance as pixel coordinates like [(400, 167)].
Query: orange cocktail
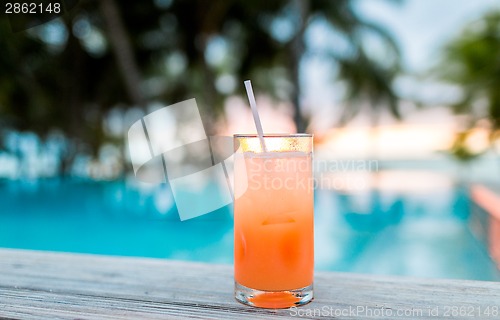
[(273, 221)]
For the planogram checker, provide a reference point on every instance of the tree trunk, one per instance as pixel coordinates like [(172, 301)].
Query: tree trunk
[(124, 55), (296, 53), (73, 97), (374, 149), (211, 16), (123, 51), (208, 109)]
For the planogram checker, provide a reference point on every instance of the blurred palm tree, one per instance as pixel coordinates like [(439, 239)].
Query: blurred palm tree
[(463, 151), (69, 73), (257, 48), (369, 75), (472, 61)]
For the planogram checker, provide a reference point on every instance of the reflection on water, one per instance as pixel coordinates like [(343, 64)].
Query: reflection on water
[(404, 231), (408, 223), (485, 218), (108, 218)]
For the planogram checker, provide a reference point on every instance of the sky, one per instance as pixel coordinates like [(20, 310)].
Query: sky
[(423, 27)]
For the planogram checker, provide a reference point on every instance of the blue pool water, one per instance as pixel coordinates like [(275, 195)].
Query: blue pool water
[(380, 231)]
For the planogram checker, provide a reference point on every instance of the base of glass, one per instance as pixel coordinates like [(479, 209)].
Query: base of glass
[(273, 299)]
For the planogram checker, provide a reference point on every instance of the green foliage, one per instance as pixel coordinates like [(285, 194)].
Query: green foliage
[(473, 62), (369, 78), (73, 82), (460, 149)]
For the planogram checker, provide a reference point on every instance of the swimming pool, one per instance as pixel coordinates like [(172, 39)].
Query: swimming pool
[(385, 230)]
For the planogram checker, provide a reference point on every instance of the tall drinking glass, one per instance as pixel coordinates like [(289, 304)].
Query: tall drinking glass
[(274, 220)]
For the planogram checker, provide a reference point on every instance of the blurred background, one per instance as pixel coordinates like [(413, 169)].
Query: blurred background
[(403, 98)]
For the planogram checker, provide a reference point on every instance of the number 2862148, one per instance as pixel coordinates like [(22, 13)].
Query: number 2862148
[(17, 7)]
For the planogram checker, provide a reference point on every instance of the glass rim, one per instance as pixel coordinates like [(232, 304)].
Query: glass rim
[(274, 135)]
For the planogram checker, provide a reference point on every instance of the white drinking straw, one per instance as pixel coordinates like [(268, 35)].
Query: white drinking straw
[(253, 105)]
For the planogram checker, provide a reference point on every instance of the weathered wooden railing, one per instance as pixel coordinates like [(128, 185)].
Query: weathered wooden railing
[(45, 285)]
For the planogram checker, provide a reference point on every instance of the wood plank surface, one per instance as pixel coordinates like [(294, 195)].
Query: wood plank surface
[(47, 285)]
